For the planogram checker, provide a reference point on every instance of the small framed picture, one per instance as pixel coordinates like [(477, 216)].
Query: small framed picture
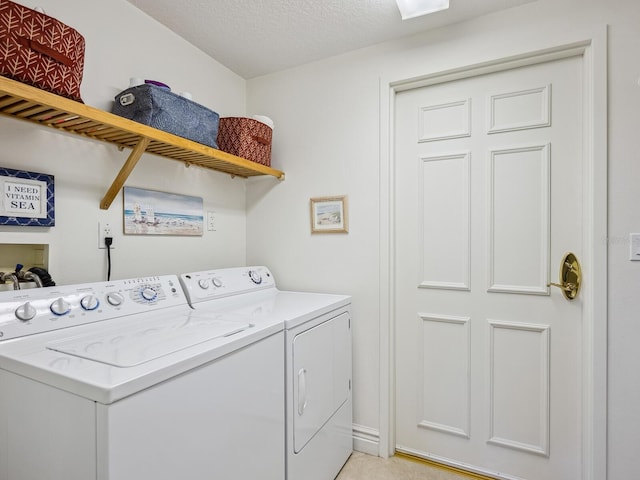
[(28, 198), (329, 215)]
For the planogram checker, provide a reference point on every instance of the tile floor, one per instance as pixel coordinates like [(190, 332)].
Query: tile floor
[(367, 467)]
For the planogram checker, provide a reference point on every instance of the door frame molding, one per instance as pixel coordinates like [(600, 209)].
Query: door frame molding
[(593, 51)]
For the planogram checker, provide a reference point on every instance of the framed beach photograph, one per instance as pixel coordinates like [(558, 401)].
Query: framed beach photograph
[(148, 212), (329, 215), (28, 198)]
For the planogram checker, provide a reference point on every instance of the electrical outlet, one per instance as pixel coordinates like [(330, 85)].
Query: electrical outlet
[(634, 251), (211, 221), (104, 230)]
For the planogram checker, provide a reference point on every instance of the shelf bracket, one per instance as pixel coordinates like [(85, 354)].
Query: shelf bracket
[(124, 173)]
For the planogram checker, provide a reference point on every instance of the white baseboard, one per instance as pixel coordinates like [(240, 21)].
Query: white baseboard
[(366, 440)]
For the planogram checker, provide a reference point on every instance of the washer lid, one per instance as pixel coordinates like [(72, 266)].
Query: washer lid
[(147, 341)]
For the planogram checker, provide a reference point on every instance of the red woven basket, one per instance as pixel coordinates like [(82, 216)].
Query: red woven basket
[(41, 51), (246, 138)]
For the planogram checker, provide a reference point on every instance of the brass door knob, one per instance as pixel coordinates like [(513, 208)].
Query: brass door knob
[(570, 276)]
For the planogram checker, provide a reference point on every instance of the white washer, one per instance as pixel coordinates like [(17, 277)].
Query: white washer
[(123, 380), (317, 360)]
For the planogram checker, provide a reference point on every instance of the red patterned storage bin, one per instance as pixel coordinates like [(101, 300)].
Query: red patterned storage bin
[(41, 51), (246, 138)]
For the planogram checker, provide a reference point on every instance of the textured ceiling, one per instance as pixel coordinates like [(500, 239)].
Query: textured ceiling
[(257, 37)]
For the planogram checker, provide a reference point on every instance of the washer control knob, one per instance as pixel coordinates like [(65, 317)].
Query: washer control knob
[(216, 282), (90, 302), (115, 298), (204, 283), (255, 277), (60, 307), (149, 294), (25, 312)]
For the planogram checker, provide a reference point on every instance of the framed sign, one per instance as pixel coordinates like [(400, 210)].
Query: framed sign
[(329, 215), (27, 198)]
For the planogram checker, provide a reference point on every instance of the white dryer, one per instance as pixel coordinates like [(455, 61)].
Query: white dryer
[(123, 380), (317, 363)]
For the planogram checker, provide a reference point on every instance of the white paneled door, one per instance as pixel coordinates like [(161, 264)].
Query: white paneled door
[(488, 199)]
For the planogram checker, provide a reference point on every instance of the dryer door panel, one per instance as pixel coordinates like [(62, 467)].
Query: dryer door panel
[(321, 376)]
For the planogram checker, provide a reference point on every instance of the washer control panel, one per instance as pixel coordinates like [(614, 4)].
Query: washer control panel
[(36, 310), (213, 284)]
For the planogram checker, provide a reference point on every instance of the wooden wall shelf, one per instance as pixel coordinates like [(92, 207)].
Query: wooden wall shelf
[(25, 102)]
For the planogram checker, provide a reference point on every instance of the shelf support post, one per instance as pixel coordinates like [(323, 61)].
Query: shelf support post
[(124, 173)]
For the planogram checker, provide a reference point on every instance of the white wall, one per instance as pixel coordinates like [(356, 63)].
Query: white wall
[(122, 42), (327, 139)]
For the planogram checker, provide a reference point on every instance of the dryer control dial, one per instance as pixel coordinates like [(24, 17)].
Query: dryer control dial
[(216, 282), (25, 312), (255, 277), (90, 302), (203, 284), (60, 307)]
